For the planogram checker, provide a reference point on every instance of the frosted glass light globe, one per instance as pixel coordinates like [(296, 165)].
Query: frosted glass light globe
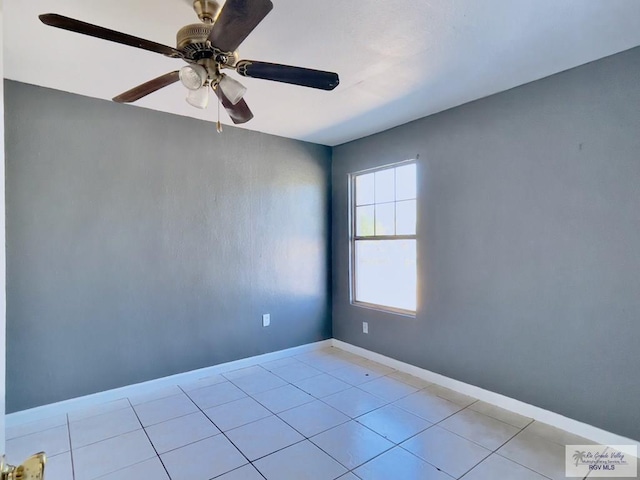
[(193, 76)]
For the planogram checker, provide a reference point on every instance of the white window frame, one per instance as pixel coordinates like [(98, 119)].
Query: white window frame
[(353, 238)]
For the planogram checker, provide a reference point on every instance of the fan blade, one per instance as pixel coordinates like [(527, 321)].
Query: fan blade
[(239, 112), (146, 88), (236, 21), (304, 77), (66, 23)]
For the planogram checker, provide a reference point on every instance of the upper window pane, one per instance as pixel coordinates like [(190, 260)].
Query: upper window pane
[(365, 188), (385, 219), (406, 217), (406, 182), (385, 202), (365, 221), (385, 186)]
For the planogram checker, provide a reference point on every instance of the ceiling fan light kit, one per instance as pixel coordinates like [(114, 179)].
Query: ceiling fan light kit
[(232, 88), (198, 98), (193, 76), (208, 48)]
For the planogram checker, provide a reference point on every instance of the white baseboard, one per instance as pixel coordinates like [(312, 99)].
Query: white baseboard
[(554, 419), (61, 408)]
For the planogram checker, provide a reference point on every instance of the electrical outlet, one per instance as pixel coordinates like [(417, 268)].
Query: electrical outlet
[(365, 327), (266, 319)]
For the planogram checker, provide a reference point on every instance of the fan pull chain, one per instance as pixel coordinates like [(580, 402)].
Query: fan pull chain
[(218, 125)]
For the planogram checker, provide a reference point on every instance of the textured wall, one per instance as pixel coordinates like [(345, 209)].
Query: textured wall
[(529, 241), (141, 244)]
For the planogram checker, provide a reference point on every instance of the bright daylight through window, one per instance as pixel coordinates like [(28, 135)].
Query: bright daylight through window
[(383, 238)]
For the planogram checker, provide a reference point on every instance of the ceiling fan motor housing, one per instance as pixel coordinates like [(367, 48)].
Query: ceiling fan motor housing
[(192, 42), (207, 10), (191, 35)]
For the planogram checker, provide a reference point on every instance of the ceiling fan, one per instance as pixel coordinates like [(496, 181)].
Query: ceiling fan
[(209, 48)]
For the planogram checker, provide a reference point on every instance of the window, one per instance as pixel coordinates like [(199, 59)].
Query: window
[(383, 238)]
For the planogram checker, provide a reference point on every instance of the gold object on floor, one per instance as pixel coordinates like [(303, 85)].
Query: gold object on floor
[(31, 469)]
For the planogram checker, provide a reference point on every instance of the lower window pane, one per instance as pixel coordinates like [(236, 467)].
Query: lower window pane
[(385, 273)]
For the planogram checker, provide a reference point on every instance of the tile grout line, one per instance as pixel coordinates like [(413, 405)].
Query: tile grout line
[(38, 431), (495, 452), (221, 433), (148, 438), (398, 445), (124, 433), (492, 451), (102, 439), (308, 439), (350, 419), (73, 467)]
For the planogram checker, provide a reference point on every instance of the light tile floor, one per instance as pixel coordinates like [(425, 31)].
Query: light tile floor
[(323, 415)]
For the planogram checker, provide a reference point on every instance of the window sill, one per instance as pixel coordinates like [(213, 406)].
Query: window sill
[(381, 308)]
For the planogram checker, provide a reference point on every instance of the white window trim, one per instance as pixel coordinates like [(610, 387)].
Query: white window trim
[(353, 239)]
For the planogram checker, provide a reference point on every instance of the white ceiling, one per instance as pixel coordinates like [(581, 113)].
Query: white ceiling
[(398, 60)]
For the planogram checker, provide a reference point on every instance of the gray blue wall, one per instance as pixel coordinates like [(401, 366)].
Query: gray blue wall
[(529, 244), (142, 244)]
